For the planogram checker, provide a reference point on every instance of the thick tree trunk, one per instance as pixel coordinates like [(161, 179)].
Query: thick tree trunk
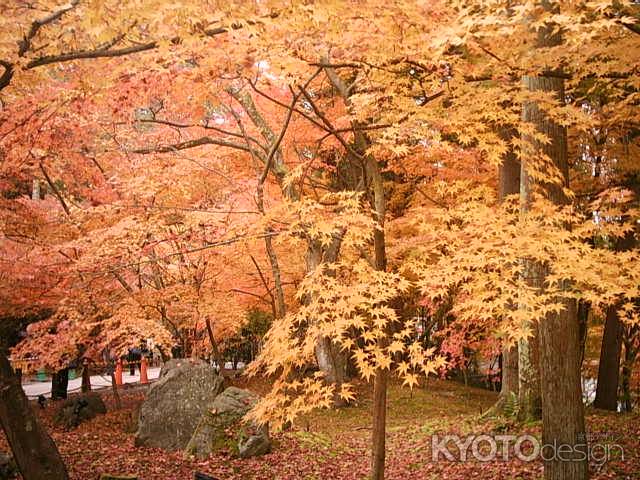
[(609, 367), (558, 333), (559, 336), (562, 409), (34, 451)]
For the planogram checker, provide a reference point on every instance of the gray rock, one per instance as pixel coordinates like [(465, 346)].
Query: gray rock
[(8, 467), (175, 404), (78, 409), (179, 363), (255, 445), (221, 427)]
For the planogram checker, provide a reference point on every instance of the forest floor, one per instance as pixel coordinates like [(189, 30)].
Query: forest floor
[(334, 444)]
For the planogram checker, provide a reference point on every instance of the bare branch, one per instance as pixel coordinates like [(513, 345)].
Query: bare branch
[(86, 54), (55, 190), (7, 75), (25, 44), (205, 126), (191, 144)]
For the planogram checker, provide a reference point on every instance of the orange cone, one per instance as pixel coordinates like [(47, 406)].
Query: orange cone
[(118, 373), (143, 370)]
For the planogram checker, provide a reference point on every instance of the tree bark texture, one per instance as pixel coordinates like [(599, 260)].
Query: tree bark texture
[(609, 366), (508, 184), (34, 451), (558, 333)]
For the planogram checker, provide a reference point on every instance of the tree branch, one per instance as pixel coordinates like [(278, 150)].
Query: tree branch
[(86, 54), (25, 44), (7, 75), (206, 126), (190, 144), (55, 190)]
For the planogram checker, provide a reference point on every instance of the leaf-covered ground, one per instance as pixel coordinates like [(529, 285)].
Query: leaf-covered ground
[(333, 444)]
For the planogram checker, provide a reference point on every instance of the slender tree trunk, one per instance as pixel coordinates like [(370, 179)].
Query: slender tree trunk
[(379, 424), (60, 384), (583, 322), (508, 184), (34, 451), (378, 436), (375, 188), (609, 367), (116, 394), (217, 355), (630, 354), (86, 378)]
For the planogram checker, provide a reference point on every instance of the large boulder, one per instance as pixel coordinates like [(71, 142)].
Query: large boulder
[(179, 363), (78, 409), (174, 405), (222, 428)]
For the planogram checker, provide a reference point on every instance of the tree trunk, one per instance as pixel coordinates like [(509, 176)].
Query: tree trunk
[(529, 393), (34, 451), (627, 406), (381, 377), (562, 408), (609, 367), (583, 321), (529, 396), (379, 424), (331, 360), (508, 184), (630, 354), (558, 333), (114, 388), (86, 378), (374, 187), (509, 383), (217, 355), (60, 384)]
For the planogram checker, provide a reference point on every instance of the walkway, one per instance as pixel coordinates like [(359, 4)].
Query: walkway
[(33, 389)]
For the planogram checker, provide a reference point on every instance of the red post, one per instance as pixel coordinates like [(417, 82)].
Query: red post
[(118, 373), (143, 370)]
